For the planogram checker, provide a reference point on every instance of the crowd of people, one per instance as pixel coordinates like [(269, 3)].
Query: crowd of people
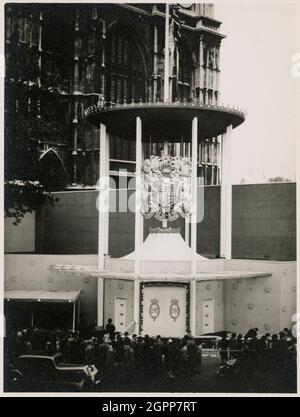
[(112, 352), (264, 352)]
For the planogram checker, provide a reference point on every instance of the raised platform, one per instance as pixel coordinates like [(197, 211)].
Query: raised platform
[(170, 121)]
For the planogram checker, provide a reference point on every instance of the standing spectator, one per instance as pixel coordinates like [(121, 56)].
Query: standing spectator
[(127, 340), (139, 354), (128, 360), (233, 346), (192, 350), (158, 352), (110, 328), (170, 357), (89, 353), (223, 346), (110, 360), (101, 354), (119, 350)]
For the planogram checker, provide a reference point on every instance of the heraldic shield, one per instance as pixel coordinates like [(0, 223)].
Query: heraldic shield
[(166, 187)]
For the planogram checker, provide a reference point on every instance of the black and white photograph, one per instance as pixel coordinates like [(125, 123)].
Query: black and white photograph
[(149, 182)]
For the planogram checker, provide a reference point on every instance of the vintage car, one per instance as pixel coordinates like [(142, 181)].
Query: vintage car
[(41, 371)]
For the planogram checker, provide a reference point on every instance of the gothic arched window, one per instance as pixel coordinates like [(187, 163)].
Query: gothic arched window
[(185, 74), (125, 69)]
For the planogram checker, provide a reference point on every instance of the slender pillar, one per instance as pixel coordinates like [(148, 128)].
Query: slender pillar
[(106, 223), (142, 217), (166, 147), (74, 317), (226, 196), (187, 231), (194, 193), (137, 237), (194, 227), (167, 57), (155, 60), (103, 198), (75, 94)]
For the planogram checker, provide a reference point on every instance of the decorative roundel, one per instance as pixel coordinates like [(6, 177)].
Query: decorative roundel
[(174, 309), (284, 309), (235, 286), (284, 271), (13, 279), (234, 304), (234, 322), (267, 289), (267, 309), (31, 262), (50, 279), (294, 289), (154, 309), (86, 280), (208, 287), (121, 286), (267, 327), (250, 306)]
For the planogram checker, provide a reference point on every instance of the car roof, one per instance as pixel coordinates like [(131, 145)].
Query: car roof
[(40, 354)]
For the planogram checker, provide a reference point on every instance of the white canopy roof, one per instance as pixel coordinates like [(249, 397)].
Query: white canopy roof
[(45, 296), (164, 246)]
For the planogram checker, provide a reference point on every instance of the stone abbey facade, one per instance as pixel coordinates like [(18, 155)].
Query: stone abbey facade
[(62, 59)]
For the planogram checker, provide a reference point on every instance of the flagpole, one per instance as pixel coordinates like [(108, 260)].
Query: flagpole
[(167, 58)]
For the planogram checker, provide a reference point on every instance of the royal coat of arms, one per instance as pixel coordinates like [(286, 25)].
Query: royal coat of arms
[(166, 187)]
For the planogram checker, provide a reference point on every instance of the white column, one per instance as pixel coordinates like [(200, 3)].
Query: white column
[(103, 198), (226, 196), (137, 237), (194, 227), (187, 231), (142, 217), (74, 316), (166, 147), (106, 240), (167, 57), (136, 306), (137, 242)]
